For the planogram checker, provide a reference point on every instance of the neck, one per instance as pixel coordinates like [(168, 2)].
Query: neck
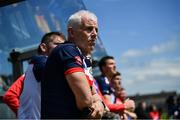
[(85, 53), (70, 39), (109, 77)]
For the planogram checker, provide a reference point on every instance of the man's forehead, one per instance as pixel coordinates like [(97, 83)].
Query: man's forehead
[(58, 38), (110, 61), (117, 77), (88, 21)]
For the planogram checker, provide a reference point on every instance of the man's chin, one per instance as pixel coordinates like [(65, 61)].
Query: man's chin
[(90, 50), (93, 47), (114, 72)]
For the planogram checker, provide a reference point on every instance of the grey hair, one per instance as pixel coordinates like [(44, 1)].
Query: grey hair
[(74, 20)]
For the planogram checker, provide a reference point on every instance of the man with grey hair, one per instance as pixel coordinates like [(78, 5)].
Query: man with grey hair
[(67, 88)]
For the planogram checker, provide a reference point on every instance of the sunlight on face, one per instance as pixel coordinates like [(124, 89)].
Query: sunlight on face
[(86, 35)]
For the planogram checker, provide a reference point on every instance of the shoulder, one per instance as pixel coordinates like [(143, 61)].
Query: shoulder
[(65, 46), (38, 59), (18, 83), (100, 78), (67, 49)]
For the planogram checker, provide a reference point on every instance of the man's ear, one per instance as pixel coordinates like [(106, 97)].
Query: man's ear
[(104, 69), (70, 32), (43, 47)]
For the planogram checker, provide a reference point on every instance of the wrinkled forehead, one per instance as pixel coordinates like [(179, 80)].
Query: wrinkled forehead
[(87, 20)]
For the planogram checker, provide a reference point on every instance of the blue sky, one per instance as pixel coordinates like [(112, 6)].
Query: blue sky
[(144, 38)]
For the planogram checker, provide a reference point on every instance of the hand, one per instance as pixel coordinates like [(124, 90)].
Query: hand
[(130, 105), (96, 97), (123, 116), (98, 110), (131, 114)]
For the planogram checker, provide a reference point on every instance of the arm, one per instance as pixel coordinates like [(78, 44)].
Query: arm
[(96, 96), (130, 104), (84, 98), (79, 84), (11, 97), (131, 114), (107, 97), (115, 107), (112, 107), (98, 104), (81, 89)]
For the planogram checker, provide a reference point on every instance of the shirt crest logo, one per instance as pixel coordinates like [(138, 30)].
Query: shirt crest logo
[(78, 60)]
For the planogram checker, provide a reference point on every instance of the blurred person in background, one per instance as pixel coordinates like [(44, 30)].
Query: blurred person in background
[(154, 113), (170, 106), (177, 108), (110, 75), (107, 66), (141, 111), (121, 98), (116, 81), (23, 96)]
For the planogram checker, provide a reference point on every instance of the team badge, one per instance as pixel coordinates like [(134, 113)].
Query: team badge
[(78, 60)]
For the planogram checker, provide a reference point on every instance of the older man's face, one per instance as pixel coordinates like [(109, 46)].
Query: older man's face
[(86, 35)]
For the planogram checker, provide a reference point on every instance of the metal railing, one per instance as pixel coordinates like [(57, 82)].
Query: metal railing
[(17, 56)]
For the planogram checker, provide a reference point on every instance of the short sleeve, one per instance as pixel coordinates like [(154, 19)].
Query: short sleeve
[(71, 59)]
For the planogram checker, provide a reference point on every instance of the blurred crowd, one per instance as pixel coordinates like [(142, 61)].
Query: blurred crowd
[(170, 110)]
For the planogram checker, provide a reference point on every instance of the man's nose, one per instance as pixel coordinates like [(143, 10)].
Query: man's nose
[(114, 66), (94, 33)]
